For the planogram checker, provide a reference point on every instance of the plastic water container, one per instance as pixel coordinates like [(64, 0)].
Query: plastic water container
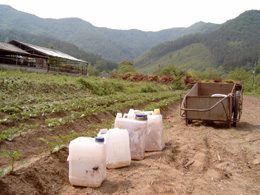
[(137, 132), (87, 161), (117, 147), (155, 135)]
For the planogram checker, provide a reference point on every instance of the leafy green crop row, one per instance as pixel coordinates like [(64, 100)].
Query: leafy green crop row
[(58, 142), (10, 133), (114, 108), (161, 103), (80, 104)]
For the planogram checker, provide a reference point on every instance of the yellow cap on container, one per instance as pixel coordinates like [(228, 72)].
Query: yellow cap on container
[(156, 111)]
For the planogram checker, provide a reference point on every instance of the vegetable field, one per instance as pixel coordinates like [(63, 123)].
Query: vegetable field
[(41, 113)]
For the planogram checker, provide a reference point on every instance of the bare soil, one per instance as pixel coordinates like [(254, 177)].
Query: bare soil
[(198, 159)]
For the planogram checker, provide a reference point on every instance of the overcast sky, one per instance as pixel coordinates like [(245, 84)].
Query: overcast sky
[(145, 15)]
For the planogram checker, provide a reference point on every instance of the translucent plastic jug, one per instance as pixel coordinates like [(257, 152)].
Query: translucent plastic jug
[(87, 161), (137, 132), (117, 147), (155, 135)]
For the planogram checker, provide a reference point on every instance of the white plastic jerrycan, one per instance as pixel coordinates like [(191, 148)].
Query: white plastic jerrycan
[(155, 133), (87, 161), (137, 132), (117, 147)]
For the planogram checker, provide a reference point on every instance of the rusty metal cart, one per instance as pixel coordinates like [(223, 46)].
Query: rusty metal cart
[(212, 102)]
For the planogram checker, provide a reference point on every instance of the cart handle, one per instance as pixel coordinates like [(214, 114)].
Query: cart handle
[(202, 110)]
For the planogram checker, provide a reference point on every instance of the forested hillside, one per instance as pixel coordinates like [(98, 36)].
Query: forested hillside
[(235, 44), (114, 45)]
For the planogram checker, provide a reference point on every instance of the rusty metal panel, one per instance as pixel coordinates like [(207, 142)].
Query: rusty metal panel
[(222, 112), (207, 89), (194, 90)]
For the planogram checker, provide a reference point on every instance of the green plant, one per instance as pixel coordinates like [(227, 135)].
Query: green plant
[(11, 156), (101, 88), (61, 141), (148, 89), (10, 133), (52, 122), (53, 146), (106, 124), (162, 103)]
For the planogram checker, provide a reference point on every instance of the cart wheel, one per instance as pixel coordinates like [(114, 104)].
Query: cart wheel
[(188, 122), (236, 108)]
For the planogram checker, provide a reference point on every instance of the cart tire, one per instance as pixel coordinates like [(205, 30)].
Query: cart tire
[(189, 121), (236, 108)]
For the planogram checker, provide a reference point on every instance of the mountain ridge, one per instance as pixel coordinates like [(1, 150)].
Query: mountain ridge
[(235, 43), (114, 45)]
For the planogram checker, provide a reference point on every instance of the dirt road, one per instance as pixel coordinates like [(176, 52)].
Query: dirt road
[(197, 159)]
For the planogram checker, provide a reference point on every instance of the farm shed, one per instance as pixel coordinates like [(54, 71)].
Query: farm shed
[(54, 60), (10, 54)]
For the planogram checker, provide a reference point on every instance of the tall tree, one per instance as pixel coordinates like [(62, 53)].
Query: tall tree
[(127, 62)]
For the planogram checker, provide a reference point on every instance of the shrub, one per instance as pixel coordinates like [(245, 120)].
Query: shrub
[(148, 89), (229, 81), (165, 79), (217, 80), (118, 87), (85, 84), (102, 87), (239, 74)]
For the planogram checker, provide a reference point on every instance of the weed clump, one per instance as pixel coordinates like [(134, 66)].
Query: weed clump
[(148, 89), (102, 87)]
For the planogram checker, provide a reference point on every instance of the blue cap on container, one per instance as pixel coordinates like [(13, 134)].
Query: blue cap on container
[(99, 139), (141, 116)]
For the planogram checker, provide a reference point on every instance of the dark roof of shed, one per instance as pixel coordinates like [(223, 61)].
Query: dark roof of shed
[(48, 51), (12, 49)]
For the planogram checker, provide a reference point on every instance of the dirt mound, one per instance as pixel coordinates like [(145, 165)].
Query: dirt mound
[(46, 176)]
